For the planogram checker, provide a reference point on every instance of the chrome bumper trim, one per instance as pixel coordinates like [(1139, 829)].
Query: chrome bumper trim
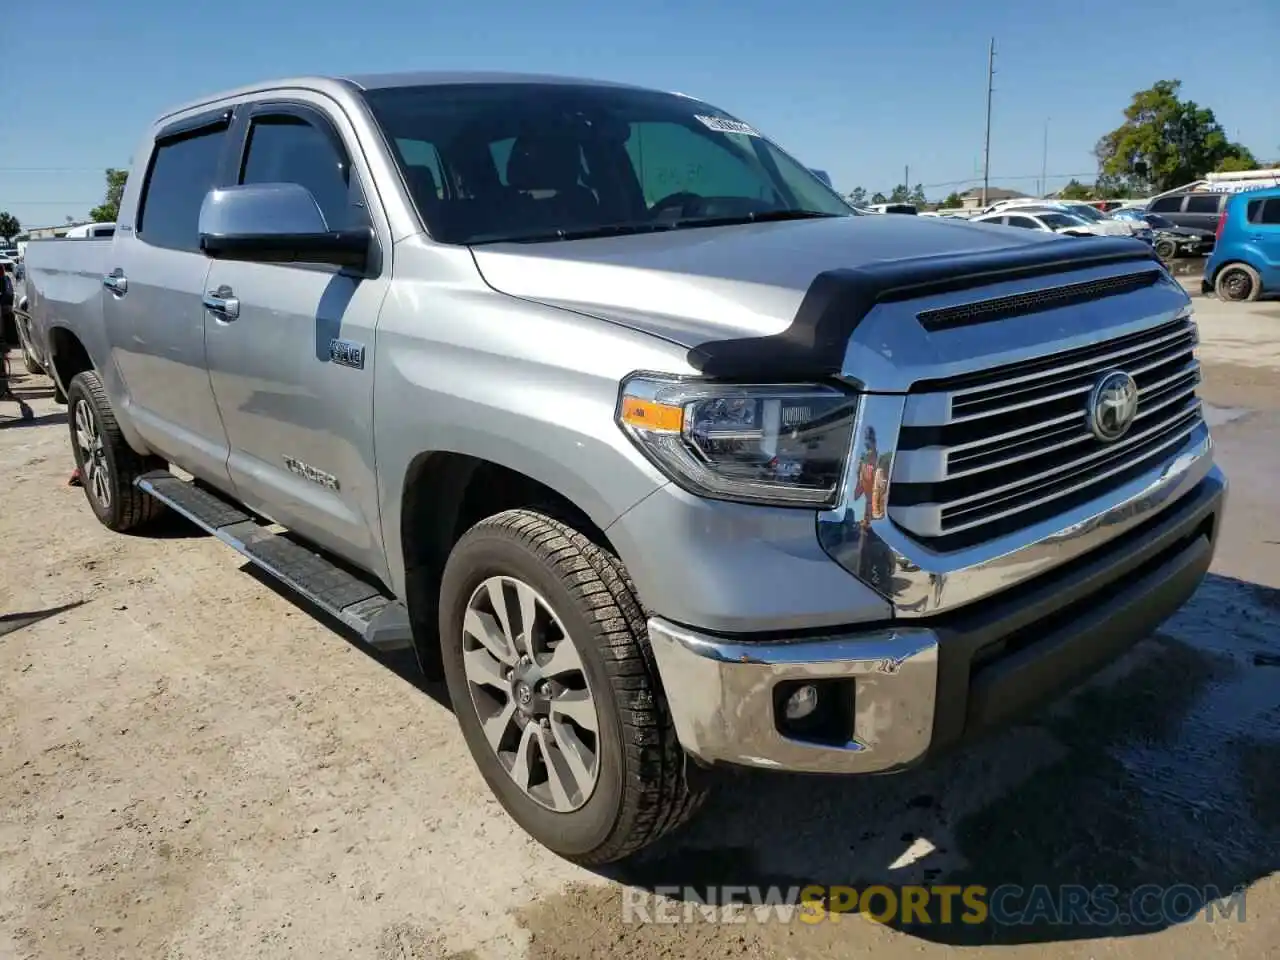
[(859, 535), (720, 694)]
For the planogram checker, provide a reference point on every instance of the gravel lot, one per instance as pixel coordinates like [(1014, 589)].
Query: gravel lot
[(192, 765)]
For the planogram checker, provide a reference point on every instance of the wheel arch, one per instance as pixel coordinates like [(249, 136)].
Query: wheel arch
[(444, 494)]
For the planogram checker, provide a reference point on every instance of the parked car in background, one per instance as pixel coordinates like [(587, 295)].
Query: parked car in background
[(1107, 224), (1246, 259), (1198, 209), (1171, 240), (1048, 220), (908, 208)]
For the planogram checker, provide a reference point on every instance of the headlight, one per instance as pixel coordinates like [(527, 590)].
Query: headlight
[(780, 445)]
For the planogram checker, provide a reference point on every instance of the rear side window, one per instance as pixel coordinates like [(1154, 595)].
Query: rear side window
[(1265, 211), (182, 172), (1025, 222), (288, 149), (1204, 203), (1166, 205)]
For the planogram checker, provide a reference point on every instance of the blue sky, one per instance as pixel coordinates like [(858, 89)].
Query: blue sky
[(861, 90)]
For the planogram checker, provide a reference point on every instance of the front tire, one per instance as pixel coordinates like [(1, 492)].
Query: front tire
[(108, 465), (1166, 249), (547, 660), (1237, 282)]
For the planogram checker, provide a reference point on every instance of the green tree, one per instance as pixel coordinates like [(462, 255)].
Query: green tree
[(858, 196), (1164, 142), (953, 199), (917, 196), (1075, 190), (1240, 159), (879, 197), (9, 226), (900, 194), (110, 207)]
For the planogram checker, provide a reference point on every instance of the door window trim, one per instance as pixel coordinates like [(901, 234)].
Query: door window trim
[(187, 128), (357, 195)]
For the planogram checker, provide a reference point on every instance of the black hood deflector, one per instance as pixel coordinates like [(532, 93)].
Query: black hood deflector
[(813, 345)]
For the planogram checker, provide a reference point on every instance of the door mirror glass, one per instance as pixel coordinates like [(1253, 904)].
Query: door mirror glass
[(276, 223)]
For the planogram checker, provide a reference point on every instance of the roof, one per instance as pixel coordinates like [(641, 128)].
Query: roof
[(428, 78), (994, 193)]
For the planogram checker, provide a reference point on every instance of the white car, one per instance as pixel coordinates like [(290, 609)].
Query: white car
[(1051, 221)]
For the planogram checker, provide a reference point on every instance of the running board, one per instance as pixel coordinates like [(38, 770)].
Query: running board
[(382, 622)]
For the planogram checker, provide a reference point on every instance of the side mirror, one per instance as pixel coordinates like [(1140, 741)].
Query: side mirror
[(276, 223), (822, 175)]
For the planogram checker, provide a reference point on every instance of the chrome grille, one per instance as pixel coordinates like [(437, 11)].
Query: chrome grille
[(986, 453)]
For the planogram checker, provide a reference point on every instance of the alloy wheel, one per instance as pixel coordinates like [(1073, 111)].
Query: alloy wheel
[(531, 693), (94, 470)]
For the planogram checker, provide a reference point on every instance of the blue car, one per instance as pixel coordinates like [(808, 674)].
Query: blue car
[(1246, 261)]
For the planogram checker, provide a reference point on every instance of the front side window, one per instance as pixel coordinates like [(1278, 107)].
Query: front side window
[(1025, 222), (183, 170), (534, 162), (288, 149), (1166, 205)]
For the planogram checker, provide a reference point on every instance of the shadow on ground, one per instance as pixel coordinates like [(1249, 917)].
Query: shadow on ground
[(1150, 791)]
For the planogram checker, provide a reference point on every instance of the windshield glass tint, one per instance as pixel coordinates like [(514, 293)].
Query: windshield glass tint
[(488, 162), (1087, 213), (1059, 220)]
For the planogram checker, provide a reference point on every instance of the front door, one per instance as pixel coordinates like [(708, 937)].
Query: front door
[(290, 350), (151, 307)]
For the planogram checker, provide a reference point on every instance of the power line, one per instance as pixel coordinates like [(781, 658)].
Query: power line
[(53, 169)]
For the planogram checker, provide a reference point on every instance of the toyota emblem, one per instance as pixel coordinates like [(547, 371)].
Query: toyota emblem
[(1113, 406)]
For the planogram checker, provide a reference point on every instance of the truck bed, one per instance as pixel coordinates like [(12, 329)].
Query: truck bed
[(64, 287)]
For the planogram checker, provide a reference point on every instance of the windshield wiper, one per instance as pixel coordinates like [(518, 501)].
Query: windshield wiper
[(582, 233), (764, 216)]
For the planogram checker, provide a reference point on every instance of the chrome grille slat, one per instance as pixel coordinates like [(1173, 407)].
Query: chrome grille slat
[(1166, 440), (1080, 433), (1180, 328), (961, 471), (1166, 355)]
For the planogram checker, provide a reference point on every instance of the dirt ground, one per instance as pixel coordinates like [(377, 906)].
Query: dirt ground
[(192, 765)]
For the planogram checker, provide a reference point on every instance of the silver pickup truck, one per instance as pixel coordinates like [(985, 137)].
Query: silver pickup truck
[(661, 454)]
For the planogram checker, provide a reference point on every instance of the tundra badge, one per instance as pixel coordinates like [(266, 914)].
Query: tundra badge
[(308, 472), (347, 352)]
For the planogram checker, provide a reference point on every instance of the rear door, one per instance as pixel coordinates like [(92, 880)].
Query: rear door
[(1263, 228), (1201, 210), (292, 370), (152, 304)]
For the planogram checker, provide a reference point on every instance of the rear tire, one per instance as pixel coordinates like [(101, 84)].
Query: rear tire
[(108, 465), (620, 787), (1237, 282)]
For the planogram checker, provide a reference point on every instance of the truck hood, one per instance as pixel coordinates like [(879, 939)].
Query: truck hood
[(695, 285)]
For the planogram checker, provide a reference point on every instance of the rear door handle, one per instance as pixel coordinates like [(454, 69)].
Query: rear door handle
[(222, 303), (116, 282)]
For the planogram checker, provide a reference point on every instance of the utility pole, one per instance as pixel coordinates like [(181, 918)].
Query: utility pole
[(986, 151), (906, 178), (1044, 161)]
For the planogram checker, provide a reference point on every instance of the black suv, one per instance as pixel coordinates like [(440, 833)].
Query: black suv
[(1197, 209)]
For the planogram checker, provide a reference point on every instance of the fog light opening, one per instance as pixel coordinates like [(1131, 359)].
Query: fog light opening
[(802, 702)]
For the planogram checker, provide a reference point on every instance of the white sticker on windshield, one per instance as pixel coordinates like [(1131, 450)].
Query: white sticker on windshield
[(723, 125)]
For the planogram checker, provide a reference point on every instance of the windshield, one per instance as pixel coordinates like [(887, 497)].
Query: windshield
[(1086, 212), (544, 161), (1057, 221)]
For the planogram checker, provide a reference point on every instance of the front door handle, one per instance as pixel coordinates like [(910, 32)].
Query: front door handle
[(116, 282), (222, 303)]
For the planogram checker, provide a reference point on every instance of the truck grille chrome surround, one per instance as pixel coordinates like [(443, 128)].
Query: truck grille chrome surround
[(966, 482), (981, 455)]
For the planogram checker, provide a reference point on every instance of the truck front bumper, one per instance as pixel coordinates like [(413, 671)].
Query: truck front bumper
[(888, 696)]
